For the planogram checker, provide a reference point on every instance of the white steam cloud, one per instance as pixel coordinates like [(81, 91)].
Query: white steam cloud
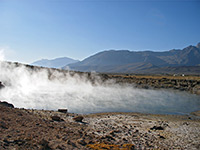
[(27, 87), (2, 56)]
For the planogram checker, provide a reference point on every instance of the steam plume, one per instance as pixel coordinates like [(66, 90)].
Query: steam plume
[(2, 56), (32, 87)]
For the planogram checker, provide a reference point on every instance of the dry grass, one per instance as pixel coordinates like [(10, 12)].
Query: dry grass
[(103, 146), (159, 77)]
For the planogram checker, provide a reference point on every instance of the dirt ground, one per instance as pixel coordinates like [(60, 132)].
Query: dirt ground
[(38, 129)]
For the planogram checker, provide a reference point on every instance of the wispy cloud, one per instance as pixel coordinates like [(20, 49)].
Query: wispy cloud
[(157, 17)]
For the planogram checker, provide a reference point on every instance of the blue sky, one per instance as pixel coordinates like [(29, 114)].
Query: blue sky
[(35, 29)]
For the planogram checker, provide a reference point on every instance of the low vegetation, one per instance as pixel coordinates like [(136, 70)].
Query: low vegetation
[(178, 82)]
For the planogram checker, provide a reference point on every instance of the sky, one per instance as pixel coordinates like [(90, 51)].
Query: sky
[(45, 29)]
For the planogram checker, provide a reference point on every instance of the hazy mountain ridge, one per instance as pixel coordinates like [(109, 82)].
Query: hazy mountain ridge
[(54, 63), (124, 61)]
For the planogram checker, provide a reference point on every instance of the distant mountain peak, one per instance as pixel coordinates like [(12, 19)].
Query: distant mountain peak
[(55, 63), (198, 45)]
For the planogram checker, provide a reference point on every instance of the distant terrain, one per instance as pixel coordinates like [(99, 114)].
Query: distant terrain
[(54, 63), (173, 61)]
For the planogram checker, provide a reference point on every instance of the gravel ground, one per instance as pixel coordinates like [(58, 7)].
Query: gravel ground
[(37, 129)]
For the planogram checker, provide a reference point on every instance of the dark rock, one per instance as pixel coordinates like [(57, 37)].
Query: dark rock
[(196, 113), (62, 110), (6, 141), (6, 104), (124, 139), (162, 137), (20, 114), (82, 142), (44, 145), (61, 147), (78, 118), (107, 137), (157, 128), (129, 146), (3, 125), (136, 131), (112, 133), (1, 85), (56, 118), (65, 138), (19, 142), (71, 143), (186, 123)]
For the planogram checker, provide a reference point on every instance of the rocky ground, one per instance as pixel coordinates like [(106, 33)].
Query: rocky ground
[(43, 129), (183, 83)]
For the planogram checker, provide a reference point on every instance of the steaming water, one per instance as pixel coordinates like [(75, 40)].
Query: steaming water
[(28, 89), (110, 99)]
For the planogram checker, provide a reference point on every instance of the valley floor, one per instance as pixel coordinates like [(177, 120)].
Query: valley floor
[(37, 129)]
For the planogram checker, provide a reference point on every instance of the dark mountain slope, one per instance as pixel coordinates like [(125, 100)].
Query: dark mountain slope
[(130, 61)]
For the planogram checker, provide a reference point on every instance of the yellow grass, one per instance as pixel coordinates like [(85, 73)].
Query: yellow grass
[(103, 146), (159, 77)]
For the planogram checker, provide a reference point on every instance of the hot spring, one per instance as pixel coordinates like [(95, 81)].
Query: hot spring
[(34, 89)]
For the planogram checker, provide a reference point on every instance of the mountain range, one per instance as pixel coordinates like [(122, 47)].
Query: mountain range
[(124, 61), (186, 60), (54, 63)]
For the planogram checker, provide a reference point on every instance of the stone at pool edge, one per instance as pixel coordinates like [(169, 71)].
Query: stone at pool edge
[(56, 118), (63, 110), (6, 104), (78, 118), (1, 85), (195, 113)]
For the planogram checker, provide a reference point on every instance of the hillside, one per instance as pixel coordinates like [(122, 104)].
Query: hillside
[(124, 61), (54, 63)]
